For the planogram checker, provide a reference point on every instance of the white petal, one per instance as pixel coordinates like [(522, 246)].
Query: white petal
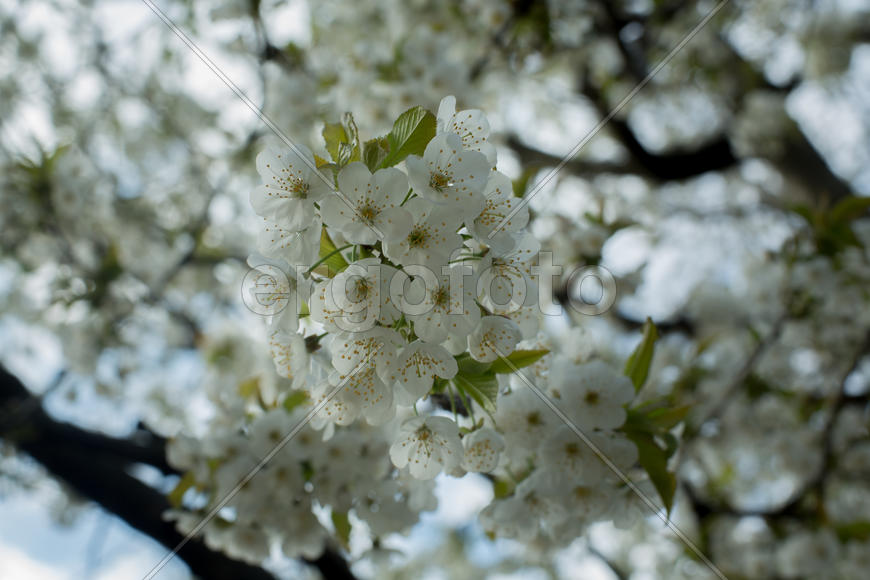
[(394, 223), (353, 180)]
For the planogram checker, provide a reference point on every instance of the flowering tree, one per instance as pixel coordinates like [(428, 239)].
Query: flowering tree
[(310, 263)]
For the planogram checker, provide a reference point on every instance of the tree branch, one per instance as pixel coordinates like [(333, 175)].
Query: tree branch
[(798, 157), (714, 155), (532, 157), (97, 467), (793, 506)]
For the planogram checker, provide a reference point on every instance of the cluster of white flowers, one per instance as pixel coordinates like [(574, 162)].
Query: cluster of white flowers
[(434, 262), (406, 343), (562, 481), (349, 471)]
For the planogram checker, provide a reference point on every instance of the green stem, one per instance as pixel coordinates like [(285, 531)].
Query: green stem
[(452, 402), (326, 257), (469, 403)]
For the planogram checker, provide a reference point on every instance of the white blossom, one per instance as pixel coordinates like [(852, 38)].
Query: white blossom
[(494, 337), (447, 306), (431, 238), (276, 291), (364, 363), (525, 422), (471, 125), (449, 175), (367, 209), (416, 366), (292, 187), (505, 281), (499, 203), (290, 356), (482, 450), (593, 394), (356, 298), (520, 515), (427, 446), (296, 247)]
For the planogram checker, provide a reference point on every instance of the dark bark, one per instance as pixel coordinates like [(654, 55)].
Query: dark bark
[(97, 467), (798, 159), (714, 155), (332, 566)]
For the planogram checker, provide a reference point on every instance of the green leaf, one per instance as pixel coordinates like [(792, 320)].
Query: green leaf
[(647, 427), (849, 209), (805, 212), (518, 359), (335, 263), (411, 132), (857, 530), (637, 365), (186, 482), (654, 460), (334, 134), (521, 183), (342, 527), (502, 488), (468, 366), (295, 399), (349, 151), (483, 388), (249, 387), (832, 228), (307, 470), (374, 152), (439, 384), (671, 443), (668, 418), (342, 140)]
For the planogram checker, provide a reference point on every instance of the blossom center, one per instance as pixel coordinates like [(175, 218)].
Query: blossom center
[(418, 236), (298, 188), (441, 296), (361, 289), (368, 212), (439, 181)]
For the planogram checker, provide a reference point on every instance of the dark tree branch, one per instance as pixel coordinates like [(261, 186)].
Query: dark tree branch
[(614, 22), (797, 159), (715, 155), (332, 566), (611, 565), (97, 468), (532, 157), (94, 466), (739, 380)]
